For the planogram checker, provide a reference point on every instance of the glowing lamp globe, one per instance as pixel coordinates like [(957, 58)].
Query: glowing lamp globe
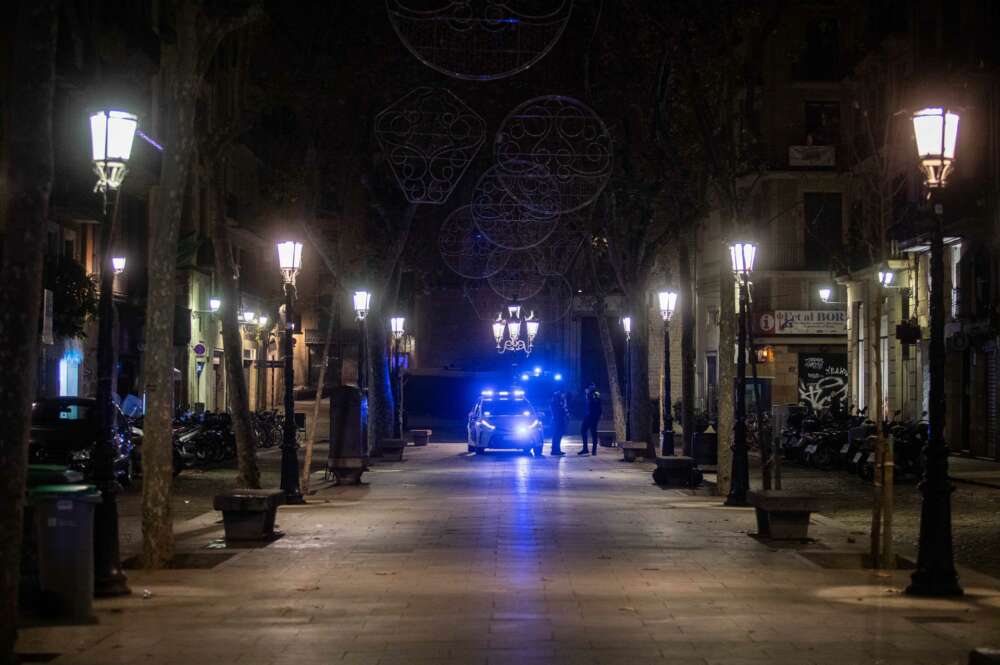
[(627, 326), (532, 327), (111, 137), (668, 303), (824, 293), (743, 255), (214, 304), (262, 321), (498, 328), (362, 304), (886, 277), (936, 131), (118, 263), (397, 323), (289, 259)]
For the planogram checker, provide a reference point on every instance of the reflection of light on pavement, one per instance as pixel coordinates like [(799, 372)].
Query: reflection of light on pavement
[(894, 598)]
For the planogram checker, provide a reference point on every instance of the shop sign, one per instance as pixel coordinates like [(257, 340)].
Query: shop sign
[(803, 322)]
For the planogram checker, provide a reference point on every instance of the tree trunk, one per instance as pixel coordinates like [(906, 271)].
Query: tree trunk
[(727, 375), (29, 182), (320, 386), (380, 400), (178, 73), (642, 414), (687, 345), (611, 361), (232, 340)]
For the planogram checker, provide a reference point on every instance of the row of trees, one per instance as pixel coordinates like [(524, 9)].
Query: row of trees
[(674, 81)]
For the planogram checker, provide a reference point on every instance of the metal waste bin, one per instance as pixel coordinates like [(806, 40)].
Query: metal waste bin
[(64, 531)]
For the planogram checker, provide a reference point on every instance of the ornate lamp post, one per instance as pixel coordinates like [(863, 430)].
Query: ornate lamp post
[(398, 327), (512, 327), (668, 303), (742, 255), (290, 261), (627, 327), (111, 135), (936, 131), (362, 305)]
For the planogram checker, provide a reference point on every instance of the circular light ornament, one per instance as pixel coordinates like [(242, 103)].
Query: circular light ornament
[(479, 40), (561, 138), (466, 250)]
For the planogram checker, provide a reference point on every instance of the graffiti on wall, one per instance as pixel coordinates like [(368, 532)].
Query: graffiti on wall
[(822, 379)]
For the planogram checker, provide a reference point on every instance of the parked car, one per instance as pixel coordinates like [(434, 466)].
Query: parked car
[(506, 420), (64, 431)]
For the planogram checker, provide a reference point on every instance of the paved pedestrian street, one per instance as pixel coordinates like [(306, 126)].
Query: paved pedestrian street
[(453, 558)]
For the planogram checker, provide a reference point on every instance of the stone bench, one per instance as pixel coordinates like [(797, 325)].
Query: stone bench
[(677, 471), (783, 514), (606, 438), (985, 656), (392, 449), (249, 514), (633, 449), (421, 437)]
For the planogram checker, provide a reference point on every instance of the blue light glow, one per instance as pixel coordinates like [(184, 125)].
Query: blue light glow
[(558, 377), (538, 371), (525, 377)]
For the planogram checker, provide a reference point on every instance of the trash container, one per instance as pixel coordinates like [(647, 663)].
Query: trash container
[(52, 474), (348, 456), (64, 531)]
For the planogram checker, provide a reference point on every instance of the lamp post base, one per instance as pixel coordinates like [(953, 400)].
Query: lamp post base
[(934, 583), (737, 501)]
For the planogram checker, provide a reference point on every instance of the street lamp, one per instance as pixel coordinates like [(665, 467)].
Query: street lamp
[(668, 303), (398, 327), (214, 304), (249, 317), (111, 135), (824, 293), (627, 327), (886, 278), (118, 264), (289, 261), (362, 305), (512, 326), (742, 256), (936, 133)]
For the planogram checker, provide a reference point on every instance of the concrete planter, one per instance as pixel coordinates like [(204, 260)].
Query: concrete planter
[(783, 514), (421, 437), (249, 514), (392, 450), (631, 450)]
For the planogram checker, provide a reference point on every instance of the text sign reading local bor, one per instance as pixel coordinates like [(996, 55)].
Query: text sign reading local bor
[(808, 322)]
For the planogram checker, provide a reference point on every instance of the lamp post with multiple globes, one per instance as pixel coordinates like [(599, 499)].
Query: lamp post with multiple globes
[(111, 133), (289, 261)]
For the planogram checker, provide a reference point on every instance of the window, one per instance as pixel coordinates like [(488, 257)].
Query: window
[(819, 59), (822, 212), (822, 123)]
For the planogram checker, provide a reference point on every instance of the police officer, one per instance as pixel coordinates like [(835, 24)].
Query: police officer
[(557, 407), (591, 417)]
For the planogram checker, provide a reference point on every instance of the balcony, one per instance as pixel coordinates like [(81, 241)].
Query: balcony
[(781, 256), (812, 156)]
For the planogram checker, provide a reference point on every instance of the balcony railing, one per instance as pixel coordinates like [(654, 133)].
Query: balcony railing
[(812, 156), (781, 256)]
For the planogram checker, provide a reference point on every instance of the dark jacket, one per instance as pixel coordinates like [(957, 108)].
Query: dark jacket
[(593, 408), (559, 414)]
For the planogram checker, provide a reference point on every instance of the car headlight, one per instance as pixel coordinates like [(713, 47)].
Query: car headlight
[(81, 455)]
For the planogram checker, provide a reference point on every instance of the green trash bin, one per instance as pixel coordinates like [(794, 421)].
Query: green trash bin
[(52, 474), (64, 531)]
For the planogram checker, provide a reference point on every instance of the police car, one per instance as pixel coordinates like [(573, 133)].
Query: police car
[(504, 419)]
